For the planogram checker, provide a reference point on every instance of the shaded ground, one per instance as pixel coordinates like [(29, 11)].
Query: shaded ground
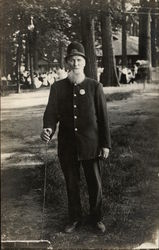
[(131, 189)]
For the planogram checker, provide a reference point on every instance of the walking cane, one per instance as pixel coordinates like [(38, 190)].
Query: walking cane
[(44, 190)]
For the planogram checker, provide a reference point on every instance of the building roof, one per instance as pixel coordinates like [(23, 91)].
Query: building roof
[(132, 45)]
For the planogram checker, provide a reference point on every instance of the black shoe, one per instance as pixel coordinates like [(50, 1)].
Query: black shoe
[(71, 228), (100, 227)]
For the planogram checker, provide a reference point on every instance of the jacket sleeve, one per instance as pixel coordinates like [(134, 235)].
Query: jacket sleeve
[(102, 118), (50, 118)]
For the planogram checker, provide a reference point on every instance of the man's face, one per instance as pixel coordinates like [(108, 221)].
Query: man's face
[(76, 64)]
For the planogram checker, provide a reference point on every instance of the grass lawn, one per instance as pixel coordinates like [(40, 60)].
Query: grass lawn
[(130, 186), (130, 177)]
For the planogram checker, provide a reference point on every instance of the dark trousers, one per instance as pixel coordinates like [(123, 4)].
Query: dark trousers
[(71, 170)]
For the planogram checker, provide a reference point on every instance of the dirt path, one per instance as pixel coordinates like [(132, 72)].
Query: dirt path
[(21, 194)]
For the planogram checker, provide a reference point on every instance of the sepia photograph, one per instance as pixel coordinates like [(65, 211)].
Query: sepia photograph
[(79, 124)]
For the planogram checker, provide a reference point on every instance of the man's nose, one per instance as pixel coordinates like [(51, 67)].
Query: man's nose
[(75, 62)]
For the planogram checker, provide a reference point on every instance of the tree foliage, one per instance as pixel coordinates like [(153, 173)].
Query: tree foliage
[(56, 23)]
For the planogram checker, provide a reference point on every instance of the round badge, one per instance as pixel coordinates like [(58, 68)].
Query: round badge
[(82, 92)]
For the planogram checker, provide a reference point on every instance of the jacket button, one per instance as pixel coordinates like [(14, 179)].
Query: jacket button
[(75, 95), (76, 129), (75, 106), (75, 117)]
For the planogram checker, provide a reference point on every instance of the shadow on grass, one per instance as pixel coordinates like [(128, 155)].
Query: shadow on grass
[(119, 96)]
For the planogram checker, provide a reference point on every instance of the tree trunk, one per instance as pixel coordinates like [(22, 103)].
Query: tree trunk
[(143, 22), (35, 52), (31, 60), (61, 53), (3, 59), (157, 40), (124, 36), (27, 55), (2, 45), (109, 76), (32, 71), (18, 66), (145, 37), (148, 42), (154, 11), (3, 53), (88, 39), (133, 30), (35, 59), (153, 40)]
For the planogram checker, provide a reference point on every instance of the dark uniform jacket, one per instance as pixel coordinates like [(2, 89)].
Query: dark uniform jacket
[(81, 112)]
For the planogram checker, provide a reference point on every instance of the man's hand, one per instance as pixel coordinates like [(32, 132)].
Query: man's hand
[(45, 134), (104, 153)]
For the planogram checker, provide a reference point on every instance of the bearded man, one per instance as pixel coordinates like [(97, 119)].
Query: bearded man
[(78, 104)]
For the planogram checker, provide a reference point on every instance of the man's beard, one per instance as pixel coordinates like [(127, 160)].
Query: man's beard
[(76, 77)]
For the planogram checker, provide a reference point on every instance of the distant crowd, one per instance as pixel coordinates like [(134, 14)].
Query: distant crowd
[(138, 73), (44, 79), (39, 79), (126, 75)]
